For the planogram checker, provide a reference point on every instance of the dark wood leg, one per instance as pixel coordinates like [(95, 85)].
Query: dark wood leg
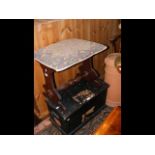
[(50, 88), (87, 72), (91, 74), (87, 69)]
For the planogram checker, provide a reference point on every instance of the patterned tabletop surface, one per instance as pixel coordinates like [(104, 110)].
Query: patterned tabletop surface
[(64, 54)]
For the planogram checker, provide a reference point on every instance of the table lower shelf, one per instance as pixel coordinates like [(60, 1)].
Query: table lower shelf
[(80, 125), (87, 129)]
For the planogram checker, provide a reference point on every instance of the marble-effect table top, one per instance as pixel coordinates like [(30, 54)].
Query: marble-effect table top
[(64, 54)]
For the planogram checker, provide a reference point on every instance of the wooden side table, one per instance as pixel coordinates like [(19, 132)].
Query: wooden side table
[(78, 101), (112, 124)]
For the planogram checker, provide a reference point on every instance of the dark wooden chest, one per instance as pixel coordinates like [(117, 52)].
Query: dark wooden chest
[(82, 101)]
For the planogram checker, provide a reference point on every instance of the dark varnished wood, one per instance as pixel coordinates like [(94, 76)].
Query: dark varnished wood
[(49, 86)]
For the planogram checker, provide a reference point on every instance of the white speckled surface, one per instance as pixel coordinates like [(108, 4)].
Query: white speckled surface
[(64, 54)]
